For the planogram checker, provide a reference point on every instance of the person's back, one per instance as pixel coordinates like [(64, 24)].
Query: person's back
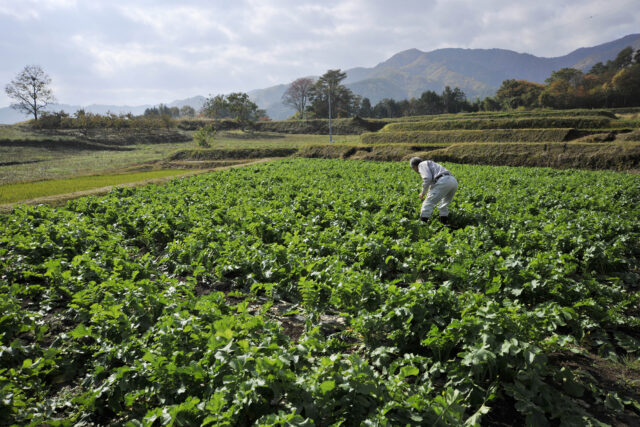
[(438, 188)]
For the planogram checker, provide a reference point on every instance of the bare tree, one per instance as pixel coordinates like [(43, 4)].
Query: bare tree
[(297, 95), (31, 90)]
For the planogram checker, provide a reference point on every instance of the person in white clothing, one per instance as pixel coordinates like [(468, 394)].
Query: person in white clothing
[(438, 188)]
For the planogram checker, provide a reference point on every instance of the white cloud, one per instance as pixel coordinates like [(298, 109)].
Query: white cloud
[(174, 22), (111, 59), (32, 9), (217, 46)]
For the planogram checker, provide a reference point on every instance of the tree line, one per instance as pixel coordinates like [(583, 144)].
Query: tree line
[(84, 121), (173, 112), (314, 99)]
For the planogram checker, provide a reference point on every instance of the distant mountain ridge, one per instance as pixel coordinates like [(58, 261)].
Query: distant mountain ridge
[(478, 72)]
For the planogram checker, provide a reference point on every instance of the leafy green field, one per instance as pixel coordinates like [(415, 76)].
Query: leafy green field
[(306, 292)]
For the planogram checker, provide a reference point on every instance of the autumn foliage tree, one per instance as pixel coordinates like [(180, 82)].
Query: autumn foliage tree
[(297, 95), (626, 85), (610, 85)]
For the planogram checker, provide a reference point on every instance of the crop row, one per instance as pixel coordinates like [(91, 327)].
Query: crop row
[(155, 305)]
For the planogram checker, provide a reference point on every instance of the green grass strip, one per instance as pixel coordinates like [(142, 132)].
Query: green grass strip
[(490, 123), (11, 193)]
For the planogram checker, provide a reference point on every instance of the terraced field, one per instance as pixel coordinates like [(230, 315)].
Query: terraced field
[(571, 139)]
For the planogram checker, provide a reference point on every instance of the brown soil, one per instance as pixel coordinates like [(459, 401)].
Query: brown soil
[(610, 377)]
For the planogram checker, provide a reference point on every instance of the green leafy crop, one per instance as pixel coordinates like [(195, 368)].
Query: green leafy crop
[(307, 292)]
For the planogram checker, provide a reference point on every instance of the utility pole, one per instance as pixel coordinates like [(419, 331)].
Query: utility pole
[(330, 81), (330, 133)]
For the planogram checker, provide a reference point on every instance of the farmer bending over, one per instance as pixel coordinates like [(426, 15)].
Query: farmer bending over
[(438, 185)]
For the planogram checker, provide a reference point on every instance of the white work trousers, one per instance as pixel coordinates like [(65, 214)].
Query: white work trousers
[(441, 192)]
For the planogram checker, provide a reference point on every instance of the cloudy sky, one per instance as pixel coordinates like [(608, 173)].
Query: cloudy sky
[(150, 51)]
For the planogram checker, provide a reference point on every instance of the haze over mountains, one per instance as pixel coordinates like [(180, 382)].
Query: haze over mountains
[(478, 72)]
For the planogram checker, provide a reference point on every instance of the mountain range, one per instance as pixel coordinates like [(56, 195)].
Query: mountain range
[(478, 72)]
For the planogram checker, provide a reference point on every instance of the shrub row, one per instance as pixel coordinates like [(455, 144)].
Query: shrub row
[(487, 135), (85, 120), (522, 123)]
